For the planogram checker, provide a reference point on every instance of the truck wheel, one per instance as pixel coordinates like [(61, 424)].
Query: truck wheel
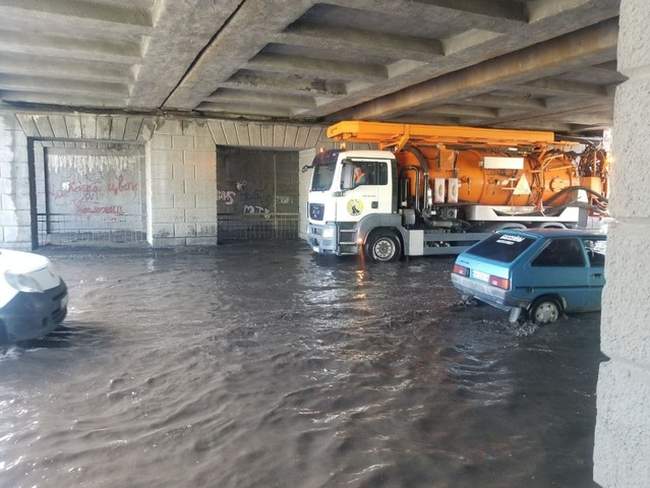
[(383, 247), (545, 311)]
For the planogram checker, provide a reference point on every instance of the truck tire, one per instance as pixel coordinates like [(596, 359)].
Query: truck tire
[(383, 246), (545, 310)]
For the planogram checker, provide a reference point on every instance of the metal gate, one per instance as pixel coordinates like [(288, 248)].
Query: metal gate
[(257, 194)]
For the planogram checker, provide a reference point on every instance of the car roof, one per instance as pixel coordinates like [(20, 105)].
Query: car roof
[(553, 233)]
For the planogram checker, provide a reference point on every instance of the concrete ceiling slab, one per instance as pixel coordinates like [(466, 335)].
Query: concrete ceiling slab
[(316, 60)]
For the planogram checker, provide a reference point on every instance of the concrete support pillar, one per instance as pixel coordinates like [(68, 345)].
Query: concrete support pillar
[(15, 218), (622, 448), (181, 173), (304, 179)]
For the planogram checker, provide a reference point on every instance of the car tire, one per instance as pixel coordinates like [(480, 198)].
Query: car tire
[(545, 311), (383, 246)]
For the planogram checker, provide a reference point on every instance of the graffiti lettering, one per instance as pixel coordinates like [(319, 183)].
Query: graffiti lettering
[(81, 209), (69, 187), (257, 210), (227, 197), (121, 186)]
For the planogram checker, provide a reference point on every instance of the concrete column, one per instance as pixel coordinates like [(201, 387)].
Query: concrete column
[(304, 179), (15, 218), (622, 448), (181, 185)]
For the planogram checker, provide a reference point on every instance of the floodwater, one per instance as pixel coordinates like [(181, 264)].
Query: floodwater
[(251, 366)]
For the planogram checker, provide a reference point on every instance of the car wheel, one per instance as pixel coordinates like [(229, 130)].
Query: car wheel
[(545, 311), (383, 247)]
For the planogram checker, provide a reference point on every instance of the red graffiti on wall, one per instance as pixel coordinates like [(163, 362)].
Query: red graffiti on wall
[(82, 209), (121, 186)]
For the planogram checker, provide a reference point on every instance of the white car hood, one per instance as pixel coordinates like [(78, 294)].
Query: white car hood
[(25, 263)]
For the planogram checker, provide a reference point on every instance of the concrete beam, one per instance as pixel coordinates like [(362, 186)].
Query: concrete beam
[(69, 87), (361, 41), (18, 64), (70, 48), (586, 47), (495, 101), (462, 111), (60, 99), (326, 69), (496, 15), (60, 15), (553, 87), (268, 99), (245, 109), (183, 29), (240, 39), (289, 84), (501, 9)]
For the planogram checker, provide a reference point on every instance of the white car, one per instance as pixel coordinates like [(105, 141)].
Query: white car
[(33, 298)]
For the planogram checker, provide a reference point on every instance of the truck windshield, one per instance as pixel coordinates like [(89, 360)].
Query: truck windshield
[(323, 176), (324, 165), (504, 248)]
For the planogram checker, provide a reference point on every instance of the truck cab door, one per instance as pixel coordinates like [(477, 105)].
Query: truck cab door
[(365, 189)]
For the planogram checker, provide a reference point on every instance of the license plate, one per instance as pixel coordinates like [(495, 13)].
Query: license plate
[(480, 275), (64, 301)]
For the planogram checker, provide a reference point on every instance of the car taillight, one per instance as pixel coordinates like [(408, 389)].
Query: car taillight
[(499, 282), (461, 270)]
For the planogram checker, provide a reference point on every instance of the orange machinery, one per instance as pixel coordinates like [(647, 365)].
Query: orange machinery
[(487, 166)]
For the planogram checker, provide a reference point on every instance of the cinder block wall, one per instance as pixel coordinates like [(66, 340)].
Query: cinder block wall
[(622, 449), (14, 185), (180, 166), (181, 185)]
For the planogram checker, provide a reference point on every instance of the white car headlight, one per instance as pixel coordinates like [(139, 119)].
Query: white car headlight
[(329, 232), (23, 283)]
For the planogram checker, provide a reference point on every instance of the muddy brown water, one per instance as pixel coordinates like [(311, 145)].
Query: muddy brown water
[(252, 366)]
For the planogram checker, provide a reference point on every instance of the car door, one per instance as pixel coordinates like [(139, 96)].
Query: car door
[(559, 268), (372, 196), (595, 250)]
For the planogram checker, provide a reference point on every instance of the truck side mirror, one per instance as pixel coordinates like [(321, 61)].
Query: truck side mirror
[(347, 177)]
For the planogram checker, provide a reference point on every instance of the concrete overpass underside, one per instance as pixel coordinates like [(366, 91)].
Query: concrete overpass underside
[(547, 64)]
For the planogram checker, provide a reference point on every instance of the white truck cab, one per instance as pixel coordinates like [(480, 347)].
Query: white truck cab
[(346, 187)]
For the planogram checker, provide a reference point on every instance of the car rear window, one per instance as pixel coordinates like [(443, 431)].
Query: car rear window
[(502, 247)]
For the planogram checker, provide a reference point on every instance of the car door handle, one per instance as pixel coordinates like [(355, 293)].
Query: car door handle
[(597, 275), (375, 204)]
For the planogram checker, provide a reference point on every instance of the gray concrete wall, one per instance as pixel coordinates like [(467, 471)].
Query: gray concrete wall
[(181, 185), (180, 165), (622, 446)]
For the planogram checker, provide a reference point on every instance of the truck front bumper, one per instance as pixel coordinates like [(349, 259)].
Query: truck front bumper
[(330, 238)]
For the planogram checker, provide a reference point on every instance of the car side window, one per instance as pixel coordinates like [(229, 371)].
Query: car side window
[(595, 251), (561, 252)]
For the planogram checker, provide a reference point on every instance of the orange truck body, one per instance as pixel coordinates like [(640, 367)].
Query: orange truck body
[(457, 154)]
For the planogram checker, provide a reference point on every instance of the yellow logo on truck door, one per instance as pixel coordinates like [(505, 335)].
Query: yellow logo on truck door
[(355, 207)]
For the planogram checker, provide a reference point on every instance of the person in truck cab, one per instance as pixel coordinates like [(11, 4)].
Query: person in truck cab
[(360, 177)]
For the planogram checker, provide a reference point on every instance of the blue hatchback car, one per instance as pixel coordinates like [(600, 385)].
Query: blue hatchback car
[(542, 272)]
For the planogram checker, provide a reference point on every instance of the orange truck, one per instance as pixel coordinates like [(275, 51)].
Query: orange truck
[(439, 189)]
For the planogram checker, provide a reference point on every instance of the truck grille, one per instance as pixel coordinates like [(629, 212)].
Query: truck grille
[(316, 211)]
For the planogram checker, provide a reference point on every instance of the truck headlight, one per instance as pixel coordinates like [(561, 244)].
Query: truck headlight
[(23, 283), (329, 232)]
